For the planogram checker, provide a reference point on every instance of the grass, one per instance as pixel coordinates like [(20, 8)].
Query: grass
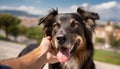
[(107, 57)]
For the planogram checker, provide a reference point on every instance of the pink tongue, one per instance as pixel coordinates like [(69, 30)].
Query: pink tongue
[(63, 55)]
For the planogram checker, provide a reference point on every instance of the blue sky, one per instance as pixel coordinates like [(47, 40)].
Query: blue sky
[(106, 8), (50, 3)]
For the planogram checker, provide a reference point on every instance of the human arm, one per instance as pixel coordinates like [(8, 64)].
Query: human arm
[(35, 59)]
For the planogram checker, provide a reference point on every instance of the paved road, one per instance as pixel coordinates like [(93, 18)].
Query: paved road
[(9, 50)]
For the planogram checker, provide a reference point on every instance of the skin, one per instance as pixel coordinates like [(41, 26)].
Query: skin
[(33, 60)]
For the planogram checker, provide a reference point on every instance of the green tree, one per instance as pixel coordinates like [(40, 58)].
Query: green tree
[(7, 22), (117, 26), (23, 30), (35, 33), (14, 30), (100, 40), (114, 42)]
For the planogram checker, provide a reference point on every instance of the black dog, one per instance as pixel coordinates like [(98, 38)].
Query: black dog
[(72, 36)]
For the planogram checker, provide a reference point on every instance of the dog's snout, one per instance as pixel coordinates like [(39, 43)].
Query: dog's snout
[(61, 38)]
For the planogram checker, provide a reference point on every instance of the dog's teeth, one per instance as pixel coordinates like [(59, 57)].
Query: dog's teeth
[(71, 48)]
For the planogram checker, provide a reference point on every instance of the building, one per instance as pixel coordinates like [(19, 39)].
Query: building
[(104, 31), (29, 22)]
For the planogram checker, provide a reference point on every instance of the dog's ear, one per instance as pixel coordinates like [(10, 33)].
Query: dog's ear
[(49, 17), (47, 22), (88, 18)]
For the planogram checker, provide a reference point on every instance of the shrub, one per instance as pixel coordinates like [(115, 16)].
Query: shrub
[(100, 40)]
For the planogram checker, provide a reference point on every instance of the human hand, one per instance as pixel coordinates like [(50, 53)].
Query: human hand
[(49, 52)]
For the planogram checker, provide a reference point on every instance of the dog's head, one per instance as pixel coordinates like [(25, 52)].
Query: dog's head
[(68, 30)]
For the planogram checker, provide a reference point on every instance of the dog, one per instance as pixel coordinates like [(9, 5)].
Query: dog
[(72, 38)]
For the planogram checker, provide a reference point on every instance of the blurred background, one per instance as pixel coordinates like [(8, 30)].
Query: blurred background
[(19, 26)]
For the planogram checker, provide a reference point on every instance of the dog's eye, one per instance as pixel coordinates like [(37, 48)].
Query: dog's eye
[(74, 24), (56, 26)]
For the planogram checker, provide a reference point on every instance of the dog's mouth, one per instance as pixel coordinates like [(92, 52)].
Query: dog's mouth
[(64, 53)]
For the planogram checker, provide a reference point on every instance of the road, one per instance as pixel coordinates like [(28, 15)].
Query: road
[(9, 50)]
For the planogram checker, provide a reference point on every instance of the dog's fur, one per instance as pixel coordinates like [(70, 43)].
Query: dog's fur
[(70, 31)]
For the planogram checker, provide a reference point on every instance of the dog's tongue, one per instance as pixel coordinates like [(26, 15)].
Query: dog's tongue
[(63, 55)]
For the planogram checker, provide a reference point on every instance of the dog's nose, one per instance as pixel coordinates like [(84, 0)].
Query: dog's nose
[(61, 38)]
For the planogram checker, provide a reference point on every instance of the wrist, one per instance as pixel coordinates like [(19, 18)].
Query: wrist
[(42, 55), (36, 58)]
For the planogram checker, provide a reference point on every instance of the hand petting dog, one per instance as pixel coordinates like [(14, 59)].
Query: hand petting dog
[(33, 60)]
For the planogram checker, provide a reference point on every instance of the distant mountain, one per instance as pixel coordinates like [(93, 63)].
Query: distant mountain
[(111, 19), (18, 13)]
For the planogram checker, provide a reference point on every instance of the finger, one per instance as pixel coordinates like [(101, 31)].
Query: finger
[(48, 37), (53, 47)]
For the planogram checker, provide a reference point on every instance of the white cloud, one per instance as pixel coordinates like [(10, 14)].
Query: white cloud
[(106, 10), (73, 8), (107, 5), (28, 9)]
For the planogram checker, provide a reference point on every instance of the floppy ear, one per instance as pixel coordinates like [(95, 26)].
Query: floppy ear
[(49, 17), (47, 22), (88, 18)]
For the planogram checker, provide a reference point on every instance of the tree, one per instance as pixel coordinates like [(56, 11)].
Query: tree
[(14, 30), (22, 30), (100, 40), (35, 33), (7, 22), (114, 42)]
